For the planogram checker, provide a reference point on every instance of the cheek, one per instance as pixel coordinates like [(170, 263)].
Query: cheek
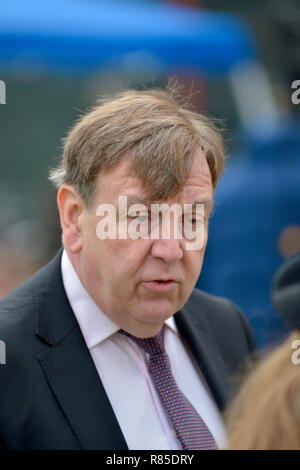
[(124, 257), (193, 264)]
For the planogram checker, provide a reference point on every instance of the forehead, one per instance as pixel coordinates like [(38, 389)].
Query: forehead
[(120, 181)]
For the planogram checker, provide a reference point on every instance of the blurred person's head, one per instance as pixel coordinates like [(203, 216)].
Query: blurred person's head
[(286, 291), (265, 415), (146, 146), (266, 412)]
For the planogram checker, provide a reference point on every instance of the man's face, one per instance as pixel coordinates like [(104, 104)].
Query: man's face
[(122, 275)]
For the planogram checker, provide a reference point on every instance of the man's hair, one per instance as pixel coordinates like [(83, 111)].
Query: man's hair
[(153, 129)]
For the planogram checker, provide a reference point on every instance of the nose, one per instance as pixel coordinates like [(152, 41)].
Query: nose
[(167, 249)]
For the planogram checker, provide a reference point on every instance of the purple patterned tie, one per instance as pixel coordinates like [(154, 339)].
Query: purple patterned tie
[(191, 430)]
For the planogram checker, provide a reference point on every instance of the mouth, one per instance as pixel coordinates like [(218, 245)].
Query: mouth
[(160, 285)]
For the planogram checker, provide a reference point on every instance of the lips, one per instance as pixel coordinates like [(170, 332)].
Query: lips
[(160, 285)]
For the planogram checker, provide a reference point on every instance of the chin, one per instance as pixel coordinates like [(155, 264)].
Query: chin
[(157, 311)]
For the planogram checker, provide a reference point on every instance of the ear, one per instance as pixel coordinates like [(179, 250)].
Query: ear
[(71, 207)]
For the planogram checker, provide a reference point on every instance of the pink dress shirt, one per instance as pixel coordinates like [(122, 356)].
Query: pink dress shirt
[(122, 367)]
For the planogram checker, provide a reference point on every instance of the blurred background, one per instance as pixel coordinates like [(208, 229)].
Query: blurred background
[(239, 59)]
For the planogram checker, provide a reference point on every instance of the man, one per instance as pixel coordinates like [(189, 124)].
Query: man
[(109, 346)]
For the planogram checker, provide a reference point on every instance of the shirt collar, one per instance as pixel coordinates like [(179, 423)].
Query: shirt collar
[(96, 327)]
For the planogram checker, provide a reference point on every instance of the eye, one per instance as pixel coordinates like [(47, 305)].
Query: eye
[(140, 217), (194, 220)]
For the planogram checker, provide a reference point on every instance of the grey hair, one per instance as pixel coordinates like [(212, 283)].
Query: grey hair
[(150, 127)]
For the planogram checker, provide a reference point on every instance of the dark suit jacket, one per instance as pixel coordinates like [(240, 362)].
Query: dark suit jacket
[(51, 396)]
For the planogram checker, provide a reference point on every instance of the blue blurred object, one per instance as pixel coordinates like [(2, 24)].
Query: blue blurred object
[(84, 36), (259, 197)]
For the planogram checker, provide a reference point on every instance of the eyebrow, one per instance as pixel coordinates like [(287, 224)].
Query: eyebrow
[(208, 203), (133, 199), (138, 200)]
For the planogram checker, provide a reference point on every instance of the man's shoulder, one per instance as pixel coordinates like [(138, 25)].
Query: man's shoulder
[(222, 317), (20, 305), (201, 302)]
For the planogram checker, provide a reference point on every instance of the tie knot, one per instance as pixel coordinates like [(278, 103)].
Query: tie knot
[(153, 345)]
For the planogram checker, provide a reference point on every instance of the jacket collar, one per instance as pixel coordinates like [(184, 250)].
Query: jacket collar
[(54, 318), (193, 326), (69, 367)]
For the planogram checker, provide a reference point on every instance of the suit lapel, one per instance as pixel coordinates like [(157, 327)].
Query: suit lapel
[(70, 370), (195, 331), (73, 377)]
